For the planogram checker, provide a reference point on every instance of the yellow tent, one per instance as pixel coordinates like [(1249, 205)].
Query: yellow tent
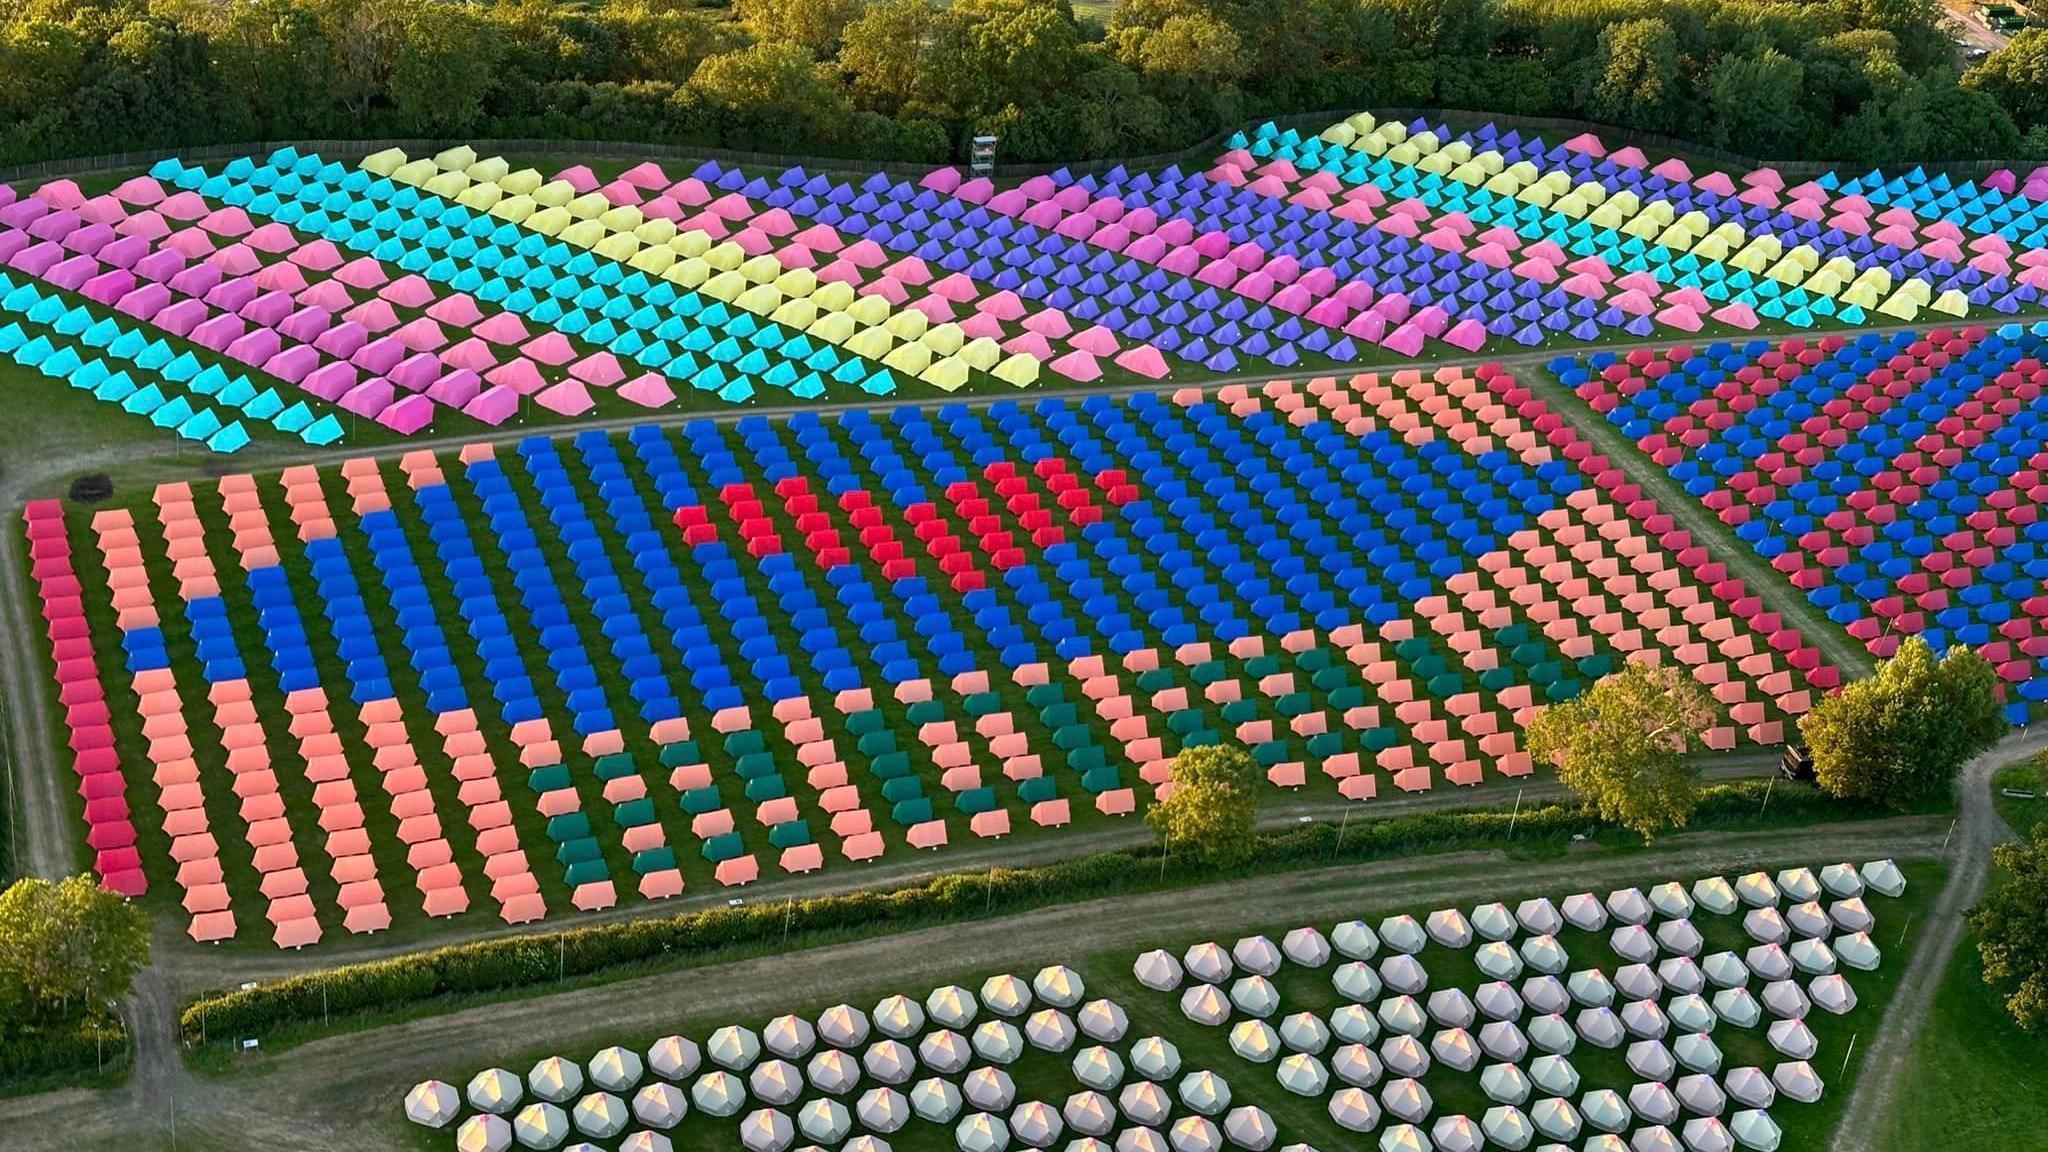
[(656, 231), (524, 182), (1952, 303), (944, 339), (833, 294), (653, 260), (911, 358), (796, 313), (481, 197), (624, 218), (689, 273), (797, 282), (762, 269), (384, 163), (873, 343), (415, 172), (620, 246), (1900, 307), (980, 352), (691, 243), (947, 375), (908, 324), (869, 309), (761, 299), (726, 256), (517, 209), (1018, 369), (489, 171), (455, 159), (449, 184), (554, 193), (549, 221), (582, 233), (831, 327), (725, 286)]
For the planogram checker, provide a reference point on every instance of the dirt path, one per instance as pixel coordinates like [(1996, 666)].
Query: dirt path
[(1977, 829), (341, 1093)]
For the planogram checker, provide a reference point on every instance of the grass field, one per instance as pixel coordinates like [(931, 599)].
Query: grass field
[(1044, 1076), (2022, 813), (1974, 1080)]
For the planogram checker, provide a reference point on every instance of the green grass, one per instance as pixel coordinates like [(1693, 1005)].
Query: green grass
[(1044, 1076), (2021, 813), (1974, 1079)]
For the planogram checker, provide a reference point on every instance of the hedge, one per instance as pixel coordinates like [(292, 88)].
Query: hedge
[(519, 962), (68, 1049)]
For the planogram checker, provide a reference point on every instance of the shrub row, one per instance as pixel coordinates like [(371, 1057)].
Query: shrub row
[(506, 965), (68, 1049)]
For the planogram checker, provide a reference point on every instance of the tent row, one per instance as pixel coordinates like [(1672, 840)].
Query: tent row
[(104, 360), (1821, 235), (342, 820), (88, 720), (1891, 478)]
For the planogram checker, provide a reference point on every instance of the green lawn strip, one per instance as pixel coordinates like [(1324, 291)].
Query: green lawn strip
[(2020, 812), (646, 754), (1045, 1076), (1974, 1080), (511, 775), (267, 697), (553, 701)]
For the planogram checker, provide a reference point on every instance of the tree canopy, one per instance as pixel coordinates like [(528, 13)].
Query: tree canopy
[(1865, 80), (1904, 733), (2012, 929), (1212, 809), (1624, 745)]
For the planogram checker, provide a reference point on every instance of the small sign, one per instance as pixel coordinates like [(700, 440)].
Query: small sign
[(734, 902), (251, 1044)]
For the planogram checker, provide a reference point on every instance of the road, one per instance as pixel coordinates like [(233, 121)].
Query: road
[(341, 1093)]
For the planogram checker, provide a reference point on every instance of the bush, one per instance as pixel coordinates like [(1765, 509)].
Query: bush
[(507, 965)]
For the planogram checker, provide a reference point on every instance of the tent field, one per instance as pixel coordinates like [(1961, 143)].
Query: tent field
[(566, 674), (1697, 1016), (302, 300), (1895, 480)]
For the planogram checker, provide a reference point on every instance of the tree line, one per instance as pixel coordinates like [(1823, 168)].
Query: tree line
[(1874, 81)]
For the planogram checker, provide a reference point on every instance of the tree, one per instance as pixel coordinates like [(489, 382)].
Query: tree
[(815, 24), (883, 52), (772, 94), (1757, 103), (1903, 734), (1624, 745), (1212, 810), (2012, 929), (2017, 76), (1638, 85), (70, 942), (1197, 46)]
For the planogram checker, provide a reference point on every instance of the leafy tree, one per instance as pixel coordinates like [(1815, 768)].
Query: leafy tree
[(770, 92), (1638, 85), (2012, 929), (2017, 77), (883, 52), (1756, 101), (1624, 744), (1197, 46), (446, 63), (813, 24), (1904, 733), (70, 942), (1212, 810)]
